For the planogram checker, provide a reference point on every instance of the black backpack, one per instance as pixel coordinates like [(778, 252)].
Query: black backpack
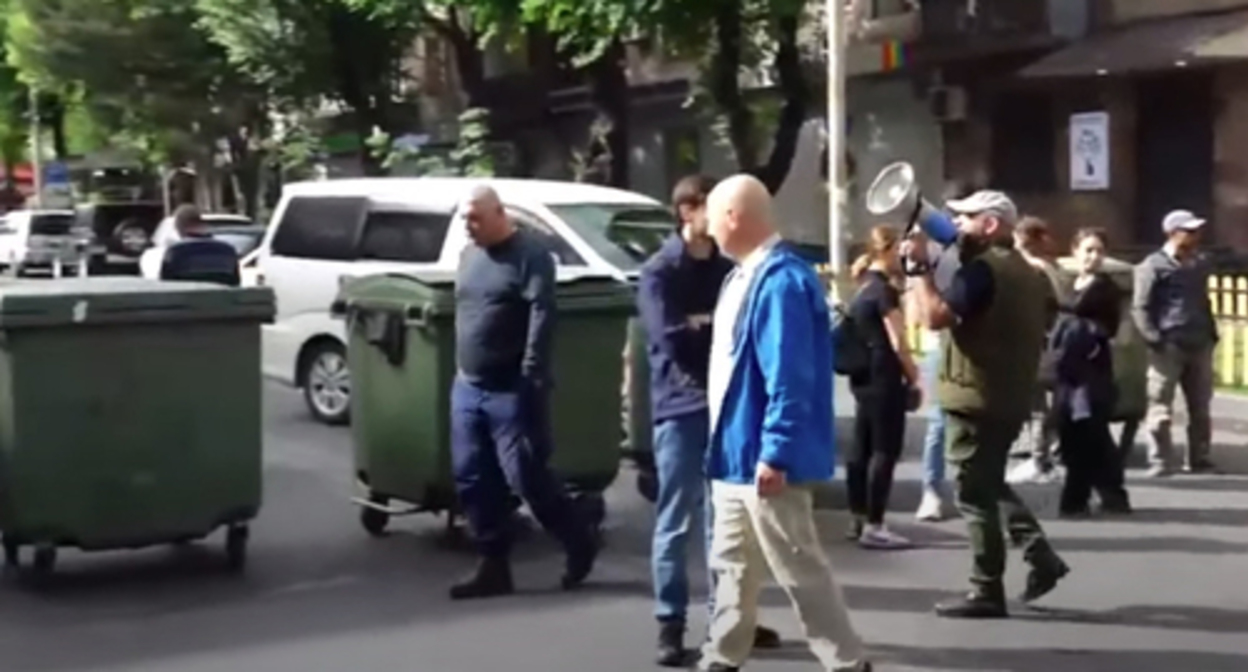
[(851, 353)]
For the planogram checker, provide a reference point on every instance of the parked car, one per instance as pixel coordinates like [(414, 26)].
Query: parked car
[(37, 239), (326, 231), (121, 233)]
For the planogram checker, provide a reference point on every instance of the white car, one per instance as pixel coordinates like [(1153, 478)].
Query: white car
[(40, 239), (326, 231)]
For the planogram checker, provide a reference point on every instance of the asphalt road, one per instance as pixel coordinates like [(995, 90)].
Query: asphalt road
[(1164, 590)]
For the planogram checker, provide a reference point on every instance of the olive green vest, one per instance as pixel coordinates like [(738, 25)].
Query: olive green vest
[(992, 360)]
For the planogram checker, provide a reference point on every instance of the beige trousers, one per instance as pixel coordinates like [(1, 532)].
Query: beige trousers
[(754, 534)]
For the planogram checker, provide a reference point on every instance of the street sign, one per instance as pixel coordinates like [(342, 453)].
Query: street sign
[(55, 172)]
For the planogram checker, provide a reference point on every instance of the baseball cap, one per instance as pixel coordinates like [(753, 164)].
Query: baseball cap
[(986, 202), (1181, 220)]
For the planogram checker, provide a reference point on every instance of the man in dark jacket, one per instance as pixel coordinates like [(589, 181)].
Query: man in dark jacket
[(678, 289), (500, 417), (197, 256), (1171, 309)]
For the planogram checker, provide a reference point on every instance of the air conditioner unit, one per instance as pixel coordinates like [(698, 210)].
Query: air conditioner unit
[(948, 103)]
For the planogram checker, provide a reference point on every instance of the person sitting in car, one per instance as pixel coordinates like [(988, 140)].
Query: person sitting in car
[(197, 255)]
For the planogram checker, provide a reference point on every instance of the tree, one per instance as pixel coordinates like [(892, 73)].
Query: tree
[(309, 52), (727, 38), (146, 70)]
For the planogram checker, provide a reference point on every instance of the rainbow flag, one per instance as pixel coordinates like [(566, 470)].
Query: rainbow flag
[(893, 55)]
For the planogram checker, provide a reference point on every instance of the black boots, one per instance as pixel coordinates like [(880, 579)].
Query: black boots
[(982, 603), (671, 651), (492, 578)]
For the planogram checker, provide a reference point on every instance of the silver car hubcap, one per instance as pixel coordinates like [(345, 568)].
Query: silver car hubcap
[(330, 383)]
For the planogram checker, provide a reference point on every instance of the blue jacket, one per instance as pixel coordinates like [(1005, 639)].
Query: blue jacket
[(673, 287), (778, 406)]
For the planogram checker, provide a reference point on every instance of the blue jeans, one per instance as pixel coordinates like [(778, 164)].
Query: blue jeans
[(501, 443), (934, 440), (681, 509)]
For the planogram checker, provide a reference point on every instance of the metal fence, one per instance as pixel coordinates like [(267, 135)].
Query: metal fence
[(1228, 295)]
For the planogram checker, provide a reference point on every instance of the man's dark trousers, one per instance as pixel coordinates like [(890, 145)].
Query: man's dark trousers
[(978, 447), (501, 443)]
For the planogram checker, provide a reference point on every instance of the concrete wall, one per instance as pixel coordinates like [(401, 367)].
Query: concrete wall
[(1230, 189)]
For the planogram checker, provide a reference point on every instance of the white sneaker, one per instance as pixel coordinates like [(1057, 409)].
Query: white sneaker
[(878, 537), (1032, 471), (932, 508)]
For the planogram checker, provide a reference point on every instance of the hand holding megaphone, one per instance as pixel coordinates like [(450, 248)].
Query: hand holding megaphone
[(895, 194)]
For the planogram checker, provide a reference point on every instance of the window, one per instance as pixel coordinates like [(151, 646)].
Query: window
[(320, 228), (624, 234), (404, 236), (562, 250), (51, 225), (1024, 144)]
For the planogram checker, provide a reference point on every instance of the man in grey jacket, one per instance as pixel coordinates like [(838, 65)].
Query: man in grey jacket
[(1172, 311)]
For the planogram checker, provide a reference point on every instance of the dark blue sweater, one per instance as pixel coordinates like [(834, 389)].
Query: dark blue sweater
[(505, 313), (674, 287)]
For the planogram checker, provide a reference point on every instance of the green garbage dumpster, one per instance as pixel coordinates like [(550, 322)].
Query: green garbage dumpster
[(400, 345), (1130, 353), (130, 414), (638, 426)]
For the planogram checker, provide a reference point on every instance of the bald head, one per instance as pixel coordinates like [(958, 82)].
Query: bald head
[(739, 213), (487, 221)]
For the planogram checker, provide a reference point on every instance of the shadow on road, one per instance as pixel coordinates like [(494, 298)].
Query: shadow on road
[(1177, 516), (1195, 545), (1167, 617), (1065, 660)]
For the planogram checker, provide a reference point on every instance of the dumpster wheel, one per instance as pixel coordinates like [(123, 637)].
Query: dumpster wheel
[(236, 538), (45, 560), (374, 521)]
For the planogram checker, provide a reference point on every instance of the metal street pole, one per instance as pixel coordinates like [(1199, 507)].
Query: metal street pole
[(36, 146), (837, 177)]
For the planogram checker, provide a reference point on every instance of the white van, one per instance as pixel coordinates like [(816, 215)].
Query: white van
[(323, 232), (39, 239)]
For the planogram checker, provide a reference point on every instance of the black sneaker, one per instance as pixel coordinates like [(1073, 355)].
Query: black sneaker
[(766, 638), (976, 605), (1203, 467), (1043, 578), (720, 667), (671, 644), (491, 579)]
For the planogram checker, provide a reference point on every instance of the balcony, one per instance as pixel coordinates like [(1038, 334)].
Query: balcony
[(947, 21)]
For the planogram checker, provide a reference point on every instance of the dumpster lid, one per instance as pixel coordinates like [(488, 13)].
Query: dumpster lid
[(28, 303)]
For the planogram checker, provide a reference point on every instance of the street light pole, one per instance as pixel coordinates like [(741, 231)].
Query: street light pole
[(835, 17), (36, 147)]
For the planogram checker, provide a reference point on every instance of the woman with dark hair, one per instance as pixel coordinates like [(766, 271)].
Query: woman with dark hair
[(883, 391), (1084, 396)]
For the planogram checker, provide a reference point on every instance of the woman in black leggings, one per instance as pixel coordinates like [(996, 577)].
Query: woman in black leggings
[(883, 391)]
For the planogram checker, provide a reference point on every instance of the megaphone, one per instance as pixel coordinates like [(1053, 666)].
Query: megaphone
[(895, 193)]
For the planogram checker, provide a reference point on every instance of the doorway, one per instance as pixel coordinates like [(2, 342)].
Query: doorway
[(1174, 150)]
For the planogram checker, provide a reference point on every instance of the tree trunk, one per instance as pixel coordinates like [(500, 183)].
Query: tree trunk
[(796, 92), (610, 93), (725, 87), (726, 92)]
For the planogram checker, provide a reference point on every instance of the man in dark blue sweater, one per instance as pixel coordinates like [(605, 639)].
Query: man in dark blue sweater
[(500, 420), (678, 290), (197, 256)]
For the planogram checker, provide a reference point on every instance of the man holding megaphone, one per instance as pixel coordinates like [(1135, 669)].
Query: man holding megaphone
[(994, 308)]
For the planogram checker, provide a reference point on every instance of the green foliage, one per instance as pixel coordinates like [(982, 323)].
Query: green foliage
[(470, 157)]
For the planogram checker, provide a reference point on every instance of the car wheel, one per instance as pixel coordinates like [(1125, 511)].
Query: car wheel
[(131, 238), (327, 383)]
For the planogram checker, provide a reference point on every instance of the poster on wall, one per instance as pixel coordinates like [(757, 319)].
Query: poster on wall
[(1089, 151)]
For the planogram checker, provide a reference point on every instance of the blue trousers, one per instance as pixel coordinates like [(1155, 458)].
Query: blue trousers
[(934, 439), (501, 443), (682, 509)]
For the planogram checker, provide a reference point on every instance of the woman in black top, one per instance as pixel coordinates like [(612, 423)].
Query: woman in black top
[(1084, 395), (883, 392)]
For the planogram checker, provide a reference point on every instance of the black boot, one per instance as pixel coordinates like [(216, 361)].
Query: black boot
[(491, 579), (720, 667), (982, 603), (671, 644), (580, 563), (766, 638), (1046, 570)]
